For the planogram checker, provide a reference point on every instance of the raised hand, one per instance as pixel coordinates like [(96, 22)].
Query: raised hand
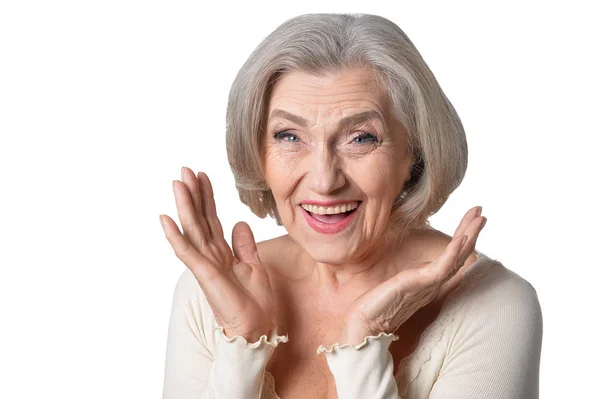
[(387, 306), (236, 284)]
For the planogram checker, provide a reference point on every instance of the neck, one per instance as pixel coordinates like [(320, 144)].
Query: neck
[(373, 265)]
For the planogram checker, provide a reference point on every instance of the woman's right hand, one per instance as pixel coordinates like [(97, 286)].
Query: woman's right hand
[(236, 284)]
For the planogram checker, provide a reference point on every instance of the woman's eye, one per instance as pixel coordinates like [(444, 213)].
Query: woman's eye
[(286, 136), (365, 138)]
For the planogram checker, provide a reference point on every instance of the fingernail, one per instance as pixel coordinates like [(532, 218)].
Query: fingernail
[(162, 220), (479, 211), (484, 222), (177, 187)]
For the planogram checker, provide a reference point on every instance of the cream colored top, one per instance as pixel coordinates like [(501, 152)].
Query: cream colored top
[(485, 343)]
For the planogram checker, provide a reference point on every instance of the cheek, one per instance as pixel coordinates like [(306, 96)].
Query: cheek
[(281, 169), (378, 177)]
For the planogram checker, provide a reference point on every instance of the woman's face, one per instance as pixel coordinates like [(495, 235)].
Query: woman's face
[(335, 160)]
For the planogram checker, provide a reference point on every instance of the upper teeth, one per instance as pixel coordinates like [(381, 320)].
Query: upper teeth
[(330, 210)]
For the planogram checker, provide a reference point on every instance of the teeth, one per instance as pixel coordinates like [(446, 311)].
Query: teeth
[(330, 210)]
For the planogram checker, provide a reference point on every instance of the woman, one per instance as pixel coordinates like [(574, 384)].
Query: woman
[(337, 128)]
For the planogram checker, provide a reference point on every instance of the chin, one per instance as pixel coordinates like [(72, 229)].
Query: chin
[(333, 249), (331, 254)]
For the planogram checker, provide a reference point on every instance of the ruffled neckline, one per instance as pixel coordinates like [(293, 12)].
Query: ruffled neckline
[(430, 337)]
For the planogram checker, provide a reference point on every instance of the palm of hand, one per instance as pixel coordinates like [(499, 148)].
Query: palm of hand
[(388, 305), (235, 284)]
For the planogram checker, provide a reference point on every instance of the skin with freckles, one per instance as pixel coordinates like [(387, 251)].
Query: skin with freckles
[(329, 137)]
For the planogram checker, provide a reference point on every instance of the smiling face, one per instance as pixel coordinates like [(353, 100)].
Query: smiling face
[(335, 160)]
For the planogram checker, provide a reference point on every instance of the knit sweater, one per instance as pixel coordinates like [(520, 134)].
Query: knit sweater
[(485, 343)]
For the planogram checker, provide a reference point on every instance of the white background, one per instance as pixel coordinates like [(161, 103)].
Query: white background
[(101, 103)]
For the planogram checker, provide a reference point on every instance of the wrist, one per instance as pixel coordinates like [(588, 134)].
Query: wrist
[(250, 336), (352, 334)]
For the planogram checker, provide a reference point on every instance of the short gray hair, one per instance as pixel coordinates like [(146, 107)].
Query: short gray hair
[(320, 43)]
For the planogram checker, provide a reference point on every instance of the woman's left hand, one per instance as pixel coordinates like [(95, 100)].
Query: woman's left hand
[(387, 306)]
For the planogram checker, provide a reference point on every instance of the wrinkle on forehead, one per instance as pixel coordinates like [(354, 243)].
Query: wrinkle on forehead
[(325, 99)]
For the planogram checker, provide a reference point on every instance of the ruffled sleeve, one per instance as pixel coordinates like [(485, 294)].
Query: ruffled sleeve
[(238, 368), (365, 370), (202, 362)]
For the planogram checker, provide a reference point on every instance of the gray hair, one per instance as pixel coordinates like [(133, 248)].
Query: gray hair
[(320, 43)]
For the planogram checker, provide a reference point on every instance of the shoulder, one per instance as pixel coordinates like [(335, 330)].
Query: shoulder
[(489, 277), (188, 290), (496, 286), (273, 246), (192, 309), (190, 294), (426, 244), (277, 254), (186, 282), (493, 338), (498, 301)]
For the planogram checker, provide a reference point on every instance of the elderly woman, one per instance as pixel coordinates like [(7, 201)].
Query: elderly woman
[(337, 128)]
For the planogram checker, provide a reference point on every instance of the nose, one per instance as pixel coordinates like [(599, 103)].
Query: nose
[(326, 174)]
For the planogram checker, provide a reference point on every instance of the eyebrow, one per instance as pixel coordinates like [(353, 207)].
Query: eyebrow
[(346, 122)]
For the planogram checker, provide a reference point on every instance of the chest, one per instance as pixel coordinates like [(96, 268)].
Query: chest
[(296, 369)]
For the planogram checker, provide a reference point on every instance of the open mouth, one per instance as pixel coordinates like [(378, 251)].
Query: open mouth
[(331, 219)]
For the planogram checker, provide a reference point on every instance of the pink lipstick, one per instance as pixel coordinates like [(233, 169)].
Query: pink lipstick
[(321, 224)]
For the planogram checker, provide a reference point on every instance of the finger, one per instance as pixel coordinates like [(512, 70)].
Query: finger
[(185, 251), (243, 273), (469, 216), (187, 216), (219, 291), (244, 246), (209, 207), (445, 266), (189, 178), (472, 231)]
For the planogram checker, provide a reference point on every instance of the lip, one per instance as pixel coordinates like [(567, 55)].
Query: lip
[(328, 228), (328, 203)]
